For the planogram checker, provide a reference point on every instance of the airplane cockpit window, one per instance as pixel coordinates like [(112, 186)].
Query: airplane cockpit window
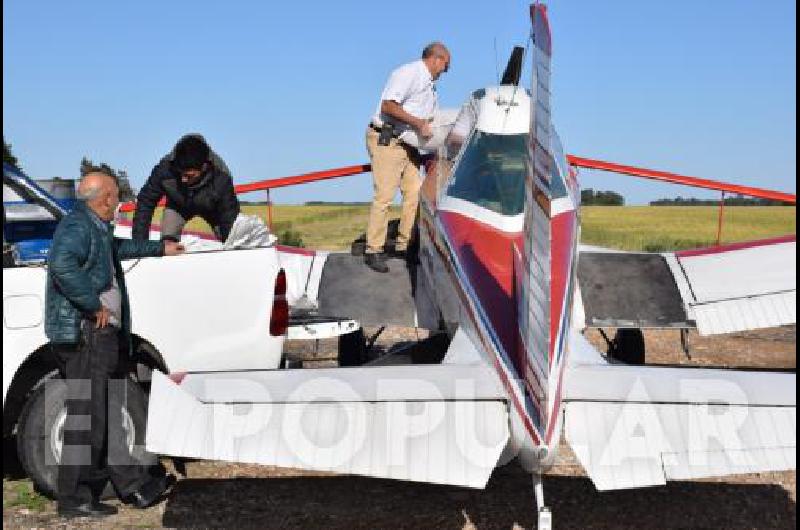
[(491, 172)]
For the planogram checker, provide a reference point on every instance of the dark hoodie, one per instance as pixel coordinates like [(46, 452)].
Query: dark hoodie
[(211, 197)]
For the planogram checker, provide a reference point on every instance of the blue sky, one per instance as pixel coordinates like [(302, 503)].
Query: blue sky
[(704, 88)]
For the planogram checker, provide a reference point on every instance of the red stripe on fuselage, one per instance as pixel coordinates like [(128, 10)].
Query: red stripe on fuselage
[(486, 256), (562, 248), (498, 363)]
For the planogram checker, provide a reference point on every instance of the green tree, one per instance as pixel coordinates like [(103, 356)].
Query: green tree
[(126, 192), (8, 157), (590, 197)]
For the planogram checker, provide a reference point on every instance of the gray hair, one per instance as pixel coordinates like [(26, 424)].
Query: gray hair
[(433, 48)]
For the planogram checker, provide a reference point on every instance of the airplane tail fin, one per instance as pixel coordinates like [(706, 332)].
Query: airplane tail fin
[(534, 271)]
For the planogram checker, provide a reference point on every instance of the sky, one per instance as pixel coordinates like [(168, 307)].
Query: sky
[(705, 88)]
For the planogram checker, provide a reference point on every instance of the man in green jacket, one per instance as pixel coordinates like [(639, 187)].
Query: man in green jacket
[(87, 320)]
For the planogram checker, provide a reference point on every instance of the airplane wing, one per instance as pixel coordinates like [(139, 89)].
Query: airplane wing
[(635, 426), (721, 289), (443, 424)]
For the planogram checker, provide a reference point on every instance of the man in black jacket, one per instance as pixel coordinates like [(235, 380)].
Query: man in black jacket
[(196, 182)]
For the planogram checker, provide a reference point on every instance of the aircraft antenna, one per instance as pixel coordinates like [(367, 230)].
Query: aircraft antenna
[(518, 80), (496, 64)]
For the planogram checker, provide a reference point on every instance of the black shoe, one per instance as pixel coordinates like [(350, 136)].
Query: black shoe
[(89, 509), (376, 262), (151, 492), (399, 254)]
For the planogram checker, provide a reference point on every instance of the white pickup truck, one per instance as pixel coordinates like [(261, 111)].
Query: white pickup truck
[(201, 311)]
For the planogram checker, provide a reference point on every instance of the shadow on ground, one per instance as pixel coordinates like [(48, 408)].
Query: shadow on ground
[(352, 502)]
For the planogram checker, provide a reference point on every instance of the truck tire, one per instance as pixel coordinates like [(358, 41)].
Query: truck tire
[(628, 346), (40, 431)]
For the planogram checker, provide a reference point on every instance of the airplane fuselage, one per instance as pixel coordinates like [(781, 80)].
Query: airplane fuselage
[(473, 233)]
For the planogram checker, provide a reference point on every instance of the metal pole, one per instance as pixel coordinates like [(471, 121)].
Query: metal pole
[(269, 210), (719, 222), (544, 516)]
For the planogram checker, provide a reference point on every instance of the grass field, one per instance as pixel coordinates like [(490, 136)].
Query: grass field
[(330, 227), (659, 228)]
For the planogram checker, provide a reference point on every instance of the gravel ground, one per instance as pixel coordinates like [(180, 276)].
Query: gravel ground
[(219, 495)]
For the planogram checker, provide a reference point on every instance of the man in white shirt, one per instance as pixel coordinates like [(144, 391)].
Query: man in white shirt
[(402, 119)]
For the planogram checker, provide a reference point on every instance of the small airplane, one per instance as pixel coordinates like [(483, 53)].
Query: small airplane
[(501, 274)]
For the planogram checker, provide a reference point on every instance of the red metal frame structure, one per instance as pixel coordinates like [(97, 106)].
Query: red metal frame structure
[(576, 161), (267, 185), (302, 179), (720, 218), (664, 176), (674, 178)]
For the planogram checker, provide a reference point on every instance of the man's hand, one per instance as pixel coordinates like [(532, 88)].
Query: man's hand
[(424, 129), (396, 111), (102, 317), (171, 248)]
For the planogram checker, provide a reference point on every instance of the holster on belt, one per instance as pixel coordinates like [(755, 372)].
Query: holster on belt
[(386, 133)]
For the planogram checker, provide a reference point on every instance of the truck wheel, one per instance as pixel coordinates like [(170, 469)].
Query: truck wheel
[(352, 348), (40, 431), (628, 346)]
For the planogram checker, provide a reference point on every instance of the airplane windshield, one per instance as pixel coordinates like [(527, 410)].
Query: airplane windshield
[(491, 173)]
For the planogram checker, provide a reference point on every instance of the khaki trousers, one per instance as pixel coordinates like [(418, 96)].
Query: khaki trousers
[(394, 165)]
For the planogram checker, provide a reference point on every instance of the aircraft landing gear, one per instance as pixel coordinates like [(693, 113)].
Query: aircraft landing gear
[(544, 517)]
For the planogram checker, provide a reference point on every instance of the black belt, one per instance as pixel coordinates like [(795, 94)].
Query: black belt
[(378, 130)]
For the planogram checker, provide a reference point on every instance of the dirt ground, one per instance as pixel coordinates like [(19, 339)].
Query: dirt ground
[(220, 495)]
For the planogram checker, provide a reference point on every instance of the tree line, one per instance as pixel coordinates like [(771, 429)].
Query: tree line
[(8, 157), (736, 200), (590, 197), (126, 192)]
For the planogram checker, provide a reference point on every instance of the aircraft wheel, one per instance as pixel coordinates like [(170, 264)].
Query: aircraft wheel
[(628, 346)]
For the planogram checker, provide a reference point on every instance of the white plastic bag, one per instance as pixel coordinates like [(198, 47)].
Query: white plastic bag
[(248, 231)]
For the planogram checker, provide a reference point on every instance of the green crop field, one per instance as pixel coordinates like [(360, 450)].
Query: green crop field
[(651, 228), (658, 228)]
